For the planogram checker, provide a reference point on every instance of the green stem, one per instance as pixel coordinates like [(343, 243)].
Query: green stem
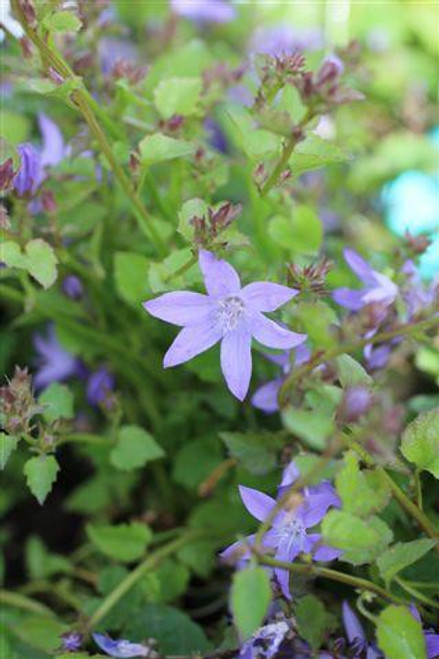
[(150, 563), (82, 100), (408, 587), (287, 150), (411, 508), (341, 348), (24, 603), (327, 573)]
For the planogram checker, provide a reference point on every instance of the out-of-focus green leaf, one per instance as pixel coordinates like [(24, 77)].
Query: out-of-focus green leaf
[(177, 96), (361, 540), (159, 147), (123, 542), (401, 555), (301, 233), (57, 401), (362, 491), (255, 451), (135, 447), (8, 444), (62, 21), (131, 276)]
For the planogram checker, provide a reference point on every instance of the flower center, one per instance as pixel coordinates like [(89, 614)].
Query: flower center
[(230, 312)]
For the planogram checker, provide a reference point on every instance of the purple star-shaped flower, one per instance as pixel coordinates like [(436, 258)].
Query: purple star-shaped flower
[(54, 363), (377, 287), (265, 398), (289, 536), (228, 313), (204, 11), (120, 649), (71, 641)]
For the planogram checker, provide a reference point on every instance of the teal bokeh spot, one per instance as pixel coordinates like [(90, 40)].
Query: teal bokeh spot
[(429, 261)]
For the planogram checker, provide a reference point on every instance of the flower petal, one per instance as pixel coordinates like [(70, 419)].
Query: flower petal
[(191, 341), (385, 291), (352, 624), (265, 398), (318, 499), (432, 643), (271, 334), (120, 649), (257, 503), (53, 150), (180, 308), (236, 361), (349, 298), (220, 278), (238, 552), (358, 265), (267, 296)]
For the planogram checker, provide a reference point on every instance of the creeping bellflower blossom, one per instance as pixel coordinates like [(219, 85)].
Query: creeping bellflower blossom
[(204, 11), (289, 536), (265, 642), (265, 398), (100, 384), (417, 294), (377, 288), (71, 641), (358, 645), (228, 313), (72, 287), (29, 174), (120, 649), (279, 40), (54, 363)]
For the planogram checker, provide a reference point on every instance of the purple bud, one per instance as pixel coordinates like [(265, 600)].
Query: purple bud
[(332, 67), (72, 287), (99, 386), (356, 402), (29, 173)]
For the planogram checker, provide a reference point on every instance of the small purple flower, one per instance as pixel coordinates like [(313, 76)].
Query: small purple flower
[(71, 641), (72, 287), (265, 642), (356, 636), (29, 172), (216, 135), (265, 398), (228, 313), (431, 638), (204, 11), (417, 294), (357, 400), (120, 649), (33, 161), (100, 384), (289, 536), (377, 287), (54, 364)]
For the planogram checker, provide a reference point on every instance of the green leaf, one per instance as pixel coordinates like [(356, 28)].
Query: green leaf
[(177, 96), (195, 461), (314, 152), (124, 542), (175, 632), (57, 400), (62, 21), (317, 319), (135, 447), (41, 473), (159, 147), (8, 443), (400, 635), (250, 599), (361, 540), (131, 276), (257, 452), (171, 581), (41, 563), (420, 442), (351, 372), (312, 620), (401, 555), (301, 233), (191, 208), (311, 426), (362, 492), (41, 633), (38, 259)]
